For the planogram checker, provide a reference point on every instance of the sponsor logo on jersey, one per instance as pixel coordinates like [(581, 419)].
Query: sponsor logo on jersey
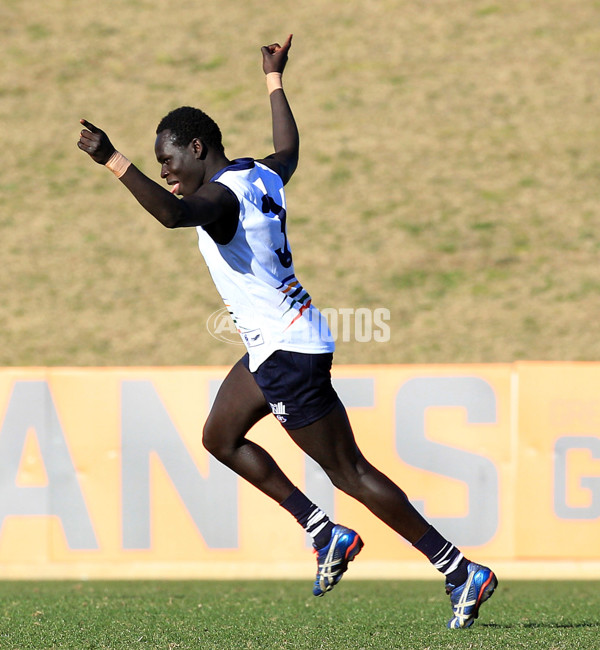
[(253, 338)]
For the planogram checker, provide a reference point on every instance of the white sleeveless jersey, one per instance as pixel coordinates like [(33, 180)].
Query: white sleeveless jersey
[(254, 272)]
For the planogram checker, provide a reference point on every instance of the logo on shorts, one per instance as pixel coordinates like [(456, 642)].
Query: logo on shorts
[(279, 411)]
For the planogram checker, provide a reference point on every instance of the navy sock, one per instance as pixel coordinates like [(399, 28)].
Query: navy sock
[(314, 521), (444, 556)]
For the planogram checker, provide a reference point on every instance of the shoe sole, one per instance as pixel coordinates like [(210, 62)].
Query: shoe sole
[(353, 550), (486, 592)]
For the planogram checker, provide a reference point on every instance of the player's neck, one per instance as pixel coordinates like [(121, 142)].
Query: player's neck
[(215, 162)]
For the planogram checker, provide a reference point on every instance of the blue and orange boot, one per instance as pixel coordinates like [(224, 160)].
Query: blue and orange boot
[(332, 560), (466, 599)]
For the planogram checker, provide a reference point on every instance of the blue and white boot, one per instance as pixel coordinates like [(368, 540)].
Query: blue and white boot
[(466, 599), (332, 560)]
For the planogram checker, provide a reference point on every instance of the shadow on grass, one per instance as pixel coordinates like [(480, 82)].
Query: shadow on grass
[(540, 625)]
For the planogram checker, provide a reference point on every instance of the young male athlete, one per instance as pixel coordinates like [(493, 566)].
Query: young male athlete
[(239, 210)]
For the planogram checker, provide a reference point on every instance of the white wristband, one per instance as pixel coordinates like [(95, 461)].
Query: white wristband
[(274, 82), (118, 164)]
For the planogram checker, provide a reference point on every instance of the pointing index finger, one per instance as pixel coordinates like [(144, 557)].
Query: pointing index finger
[(90, 126)]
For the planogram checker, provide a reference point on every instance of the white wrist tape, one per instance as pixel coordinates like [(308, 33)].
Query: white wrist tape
[(274, 82), (118, 164)]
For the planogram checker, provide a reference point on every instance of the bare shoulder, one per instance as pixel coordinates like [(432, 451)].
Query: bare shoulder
[(214, 196), (214, 192), (210, 203)]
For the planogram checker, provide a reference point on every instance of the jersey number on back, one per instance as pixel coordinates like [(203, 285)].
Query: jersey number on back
[(270, 207)]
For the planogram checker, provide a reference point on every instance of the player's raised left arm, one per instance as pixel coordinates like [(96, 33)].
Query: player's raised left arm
[(286, 139)]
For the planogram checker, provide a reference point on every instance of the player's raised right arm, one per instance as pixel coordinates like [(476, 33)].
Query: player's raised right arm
[(159, 202)]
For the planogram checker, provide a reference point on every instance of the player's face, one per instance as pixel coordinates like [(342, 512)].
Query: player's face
[(180, 166)]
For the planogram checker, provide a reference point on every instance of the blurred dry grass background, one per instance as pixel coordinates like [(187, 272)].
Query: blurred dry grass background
[(449, 172)]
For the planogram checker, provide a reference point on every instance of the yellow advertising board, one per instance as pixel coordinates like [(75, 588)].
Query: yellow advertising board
[(559, 461), (103, 472)]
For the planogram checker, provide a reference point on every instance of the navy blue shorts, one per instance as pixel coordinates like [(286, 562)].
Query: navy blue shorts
[(297, 386)]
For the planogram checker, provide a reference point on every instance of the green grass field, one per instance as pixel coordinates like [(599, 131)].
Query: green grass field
[(267, 614)]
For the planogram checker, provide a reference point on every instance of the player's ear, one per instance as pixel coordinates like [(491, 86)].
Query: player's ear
[(199, 148)]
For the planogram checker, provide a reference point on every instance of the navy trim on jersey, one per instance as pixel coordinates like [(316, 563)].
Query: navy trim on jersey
[(237, 165)]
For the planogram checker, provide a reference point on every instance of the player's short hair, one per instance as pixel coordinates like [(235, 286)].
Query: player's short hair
[(186, 123)]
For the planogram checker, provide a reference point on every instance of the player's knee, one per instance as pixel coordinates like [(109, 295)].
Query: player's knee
[(213, 443), (348, 477), (345, 481), (343, 477)]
